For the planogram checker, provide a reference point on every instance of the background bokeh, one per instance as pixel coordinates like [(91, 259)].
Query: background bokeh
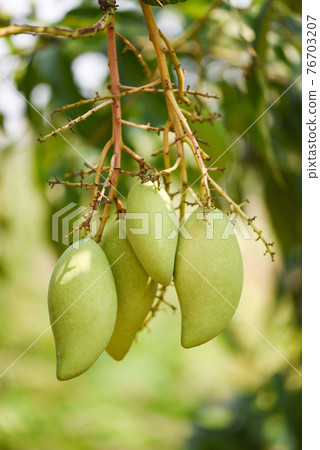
[(235, 392)]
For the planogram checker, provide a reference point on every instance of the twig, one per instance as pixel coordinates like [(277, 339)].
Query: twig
[(177, 67), (169, 95), (156, 306), (166, 154), (187, 91), (94, 202), (80, 185), (195, 117), (200, 94), (175, 113), (204, 191), (161, 150), (116, 122), (82, 172), (97, 98), (142, 162), (103, 170), (147, 127), (169, 170), (204, 155), (74, 122), (241, 213), (137, 53), (62, 32)]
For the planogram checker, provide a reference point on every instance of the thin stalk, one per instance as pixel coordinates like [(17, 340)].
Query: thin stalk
[(168, 91), (116, 123)]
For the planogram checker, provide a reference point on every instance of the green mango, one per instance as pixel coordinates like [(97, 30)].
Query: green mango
[(208, 276), (82, 303), (153, 234), (136, 290)]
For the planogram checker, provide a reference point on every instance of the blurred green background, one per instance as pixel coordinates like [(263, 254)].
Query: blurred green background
[(235, 392)]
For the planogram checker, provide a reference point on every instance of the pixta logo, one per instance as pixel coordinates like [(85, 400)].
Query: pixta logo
[(72, 213), (154, 225)]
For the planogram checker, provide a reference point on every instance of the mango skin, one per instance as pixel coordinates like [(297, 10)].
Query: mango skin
[(83, 282), (205, 313), (135, 289), (156, 254)]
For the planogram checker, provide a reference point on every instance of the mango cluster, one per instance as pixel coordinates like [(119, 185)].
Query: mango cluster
[(100, 295)]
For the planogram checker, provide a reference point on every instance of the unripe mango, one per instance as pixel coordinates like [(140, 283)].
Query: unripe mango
[(208, 276), (136, 290), (82, 302), (153, 233)]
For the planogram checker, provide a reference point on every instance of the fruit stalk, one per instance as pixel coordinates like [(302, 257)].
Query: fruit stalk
[(116, 122), (170, 99), (175, 114)]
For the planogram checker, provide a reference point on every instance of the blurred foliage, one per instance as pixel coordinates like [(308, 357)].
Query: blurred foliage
[(267, 419), (234, 392)]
